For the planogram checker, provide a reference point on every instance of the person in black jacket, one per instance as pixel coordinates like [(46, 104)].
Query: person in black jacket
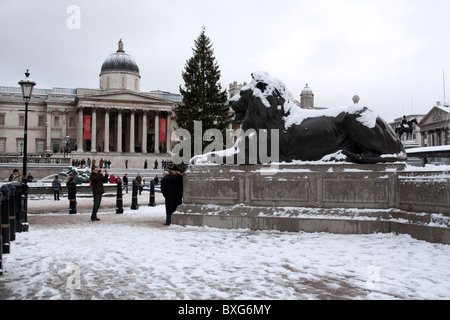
[(97, 180), (125, 182), (172, 190)]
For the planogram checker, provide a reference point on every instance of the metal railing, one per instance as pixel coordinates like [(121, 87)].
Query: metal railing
[(35, 159)]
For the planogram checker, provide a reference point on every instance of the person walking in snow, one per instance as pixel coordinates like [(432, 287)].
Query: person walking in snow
[(97, 180), (172, 190), (125, 182), (139, 182)]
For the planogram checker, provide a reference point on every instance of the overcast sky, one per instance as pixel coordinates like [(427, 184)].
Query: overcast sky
[(391, 53)]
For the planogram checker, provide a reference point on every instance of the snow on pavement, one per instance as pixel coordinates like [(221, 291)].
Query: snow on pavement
[(133, 256)]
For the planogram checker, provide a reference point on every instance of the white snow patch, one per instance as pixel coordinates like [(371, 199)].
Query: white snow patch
[(296, 115), (132, 256)]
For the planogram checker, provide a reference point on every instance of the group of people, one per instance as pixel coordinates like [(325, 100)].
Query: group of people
[(164, 164), (171, 188), (106, 164), (88, 163), (138, 182), (16, 176)]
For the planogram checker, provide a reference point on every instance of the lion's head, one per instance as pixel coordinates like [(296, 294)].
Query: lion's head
[(262, 99)]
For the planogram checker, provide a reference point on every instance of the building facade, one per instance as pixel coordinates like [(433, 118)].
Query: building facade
[(115, 119), (432, 129), (435, 127)]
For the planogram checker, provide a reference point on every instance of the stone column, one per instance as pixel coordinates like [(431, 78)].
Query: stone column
[(106, 130), (132, 143), (144, 132), (156, 132), (48, 124), (119, 131), (80, 130), (94, 130), (64, 124)]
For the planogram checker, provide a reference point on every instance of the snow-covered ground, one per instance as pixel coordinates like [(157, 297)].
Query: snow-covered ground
[(133, 256)]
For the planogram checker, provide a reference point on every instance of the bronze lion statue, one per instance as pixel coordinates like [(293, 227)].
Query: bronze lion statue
[(355, 133)]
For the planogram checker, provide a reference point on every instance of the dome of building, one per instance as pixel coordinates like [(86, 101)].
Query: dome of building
[(307, 98), (307, 90), (120, 71), (120, 62)]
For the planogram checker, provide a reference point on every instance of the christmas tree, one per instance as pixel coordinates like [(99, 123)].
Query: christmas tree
[(203, 97)]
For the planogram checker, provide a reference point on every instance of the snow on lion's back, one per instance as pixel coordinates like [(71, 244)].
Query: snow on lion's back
[(294, 115)]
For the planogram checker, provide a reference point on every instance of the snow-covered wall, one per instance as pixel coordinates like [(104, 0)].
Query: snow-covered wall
[(262, 197)]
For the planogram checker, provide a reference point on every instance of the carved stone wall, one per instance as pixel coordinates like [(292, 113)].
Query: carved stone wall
[(340, 198)]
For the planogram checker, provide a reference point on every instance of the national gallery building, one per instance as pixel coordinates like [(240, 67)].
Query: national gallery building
[(114, 122)]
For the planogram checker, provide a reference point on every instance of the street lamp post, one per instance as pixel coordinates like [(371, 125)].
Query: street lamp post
[(27, 86)]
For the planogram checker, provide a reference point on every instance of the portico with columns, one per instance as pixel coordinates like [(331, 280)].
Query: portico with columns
[(118, 119), (123, 122), (115, 121), (435, 126)]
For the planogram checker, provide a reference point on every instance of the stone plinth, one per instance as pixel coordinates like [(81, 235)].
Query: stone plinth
[(336, 198)]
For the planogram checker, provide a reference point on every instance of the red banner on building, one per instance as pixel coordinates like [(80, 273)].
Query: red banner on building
[(87, 127), (162, 130)]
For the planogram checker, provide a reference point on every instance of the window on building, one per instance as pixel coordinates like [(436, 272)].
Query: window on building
[(39, 146), (55, 144), (2, 119), (72, 122), (21, 121), (41, 121), (19, 146), (2, 144), (56, 121)]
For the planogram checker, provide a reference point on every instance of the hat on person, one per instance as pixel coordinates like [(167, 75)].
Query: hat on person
[(175, 168)]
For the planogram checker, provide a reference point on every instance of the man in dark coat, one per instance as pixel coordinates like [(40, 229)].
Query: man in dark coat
[(97, 180), (125, 182), (172, 190)]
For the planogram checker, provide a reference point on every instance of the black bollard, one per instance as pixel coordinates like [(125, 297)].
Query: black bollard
[(152, 194), (21, 225), (5, 219), (119, 201), (12, 212), (72, 195), (134, 196), (23, 212)]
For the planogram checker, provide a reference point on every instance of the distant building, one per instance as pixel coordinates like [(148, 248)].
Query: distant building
[(307, 98), (234, 88), (435, 126), (115, 119)]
